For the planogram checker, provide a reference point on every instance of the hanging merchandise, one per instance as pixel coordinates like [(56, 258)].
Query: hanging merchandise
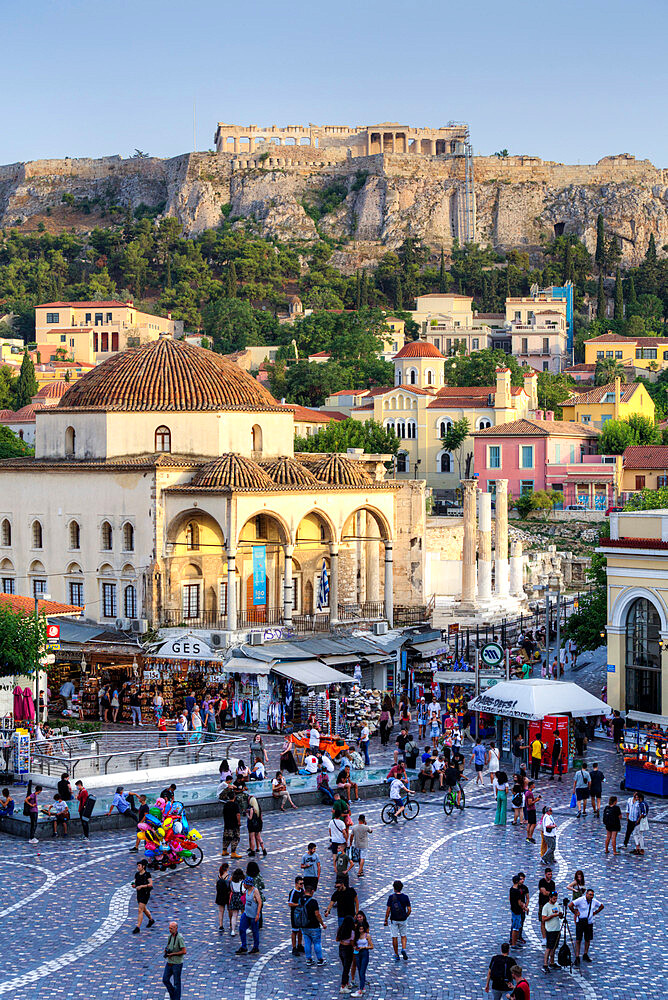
[(21, 754)]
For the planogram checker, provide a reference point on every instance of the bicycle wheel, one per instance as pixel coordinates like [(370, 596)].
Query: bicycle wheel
[(387, 814), (447, 803), (412, 809), (462, 801), (195, 858)]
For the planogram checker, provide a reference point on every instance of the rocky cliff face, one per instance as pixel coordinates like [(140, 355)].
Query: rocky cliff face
[(381, 199)]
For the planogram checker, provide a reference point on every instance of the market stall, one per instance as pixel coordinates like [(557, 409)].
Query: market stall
[(645, 747), (538, 707)]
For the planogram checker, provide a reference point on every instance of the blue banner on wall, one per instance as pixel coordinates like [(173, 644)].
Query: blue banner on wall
[(259, 574)]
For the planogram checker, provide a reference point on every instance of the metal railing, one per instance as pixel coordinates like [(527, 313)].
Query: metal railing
[(361, 612), (175, 618), (260, 615), (66, 753), (405, 614)]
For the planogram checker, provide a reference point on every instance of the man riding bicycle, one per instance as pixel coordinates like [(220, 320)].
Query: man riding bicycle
[(398, 799), (452, 780)]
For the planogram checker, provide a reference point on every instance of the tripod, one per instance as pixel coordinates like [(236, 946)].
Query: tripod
[(567, 934)]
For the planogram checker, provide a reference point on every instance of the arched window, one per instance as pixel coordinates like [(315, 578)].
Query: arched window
[(400, 429), (37, 536), (402, 462), (130, 601), (411, 429), (413, 376), (70, 442), (398, 382), (128, 537), (107, 537), (257, 438), (643, 658), (443, 427), (483, 422), (192, 536), (445, 462), (429, 376), (6, 533), (389, 425), (75, 535), (163, 439)]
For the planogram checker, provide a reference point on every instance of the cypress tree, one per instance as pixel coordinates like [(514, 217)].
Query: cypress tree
[(442, 281), (232, 281), (365, 289), (619, 297), (398, 296), (650, 256), (599, 256), (358, 290), (168, 271), (507, 282), (26, 383), (632, 298), (600, 298)]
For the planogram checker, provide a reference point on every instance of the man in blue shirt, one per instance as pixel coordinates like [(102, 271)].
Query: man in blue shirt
[(125, 805), (479, 758)]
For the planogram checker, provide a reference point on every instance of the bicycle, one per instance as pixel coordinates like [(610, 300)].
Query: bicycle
[(389, 811), (450, 800)]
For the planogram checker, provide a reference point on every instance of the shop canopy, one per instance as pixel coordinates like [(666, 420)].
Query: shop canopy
[(311, 673), (242, 665), (535, 698)]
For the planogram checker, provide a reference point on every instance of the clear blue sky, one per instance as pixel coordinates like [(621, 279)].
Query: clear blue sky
[(572, 80)]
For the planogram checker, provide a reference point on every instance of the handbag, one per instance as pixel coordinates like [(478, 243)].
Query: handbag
[(355, 854), (26, 808), (574, 801)]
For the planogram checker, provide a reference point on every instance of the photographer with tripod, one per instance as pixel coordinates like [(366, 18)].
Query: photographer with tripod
[(551, 922)]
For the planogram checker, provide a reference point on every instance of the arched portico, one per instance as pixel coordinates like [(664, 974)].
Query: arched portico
[(367, 531), (196, 546), (262, 544)]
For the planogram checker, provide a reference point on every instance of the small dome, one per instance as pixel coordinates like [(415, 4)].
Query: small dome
[(168, 375), (419, 349), (53, 390), (289, 472), (337, 470), (232, 470)]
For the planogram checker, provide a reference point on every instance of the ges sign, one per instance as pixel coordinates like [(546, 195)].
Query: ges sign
[(188, 647)]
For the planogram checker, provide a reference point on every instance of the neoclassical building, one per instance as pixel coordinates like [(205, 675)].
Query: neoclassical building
[(164, 487)]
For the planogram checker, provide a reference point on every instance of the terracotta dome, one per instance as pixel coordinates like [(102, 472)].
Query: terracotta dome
[(53, 390), (419, 349), (232, 470), (289, 472), (168, 375), (337, 470)]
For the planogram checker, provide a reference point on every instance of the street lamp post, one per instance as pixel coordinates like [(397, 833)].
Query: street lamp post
[(44, 597)]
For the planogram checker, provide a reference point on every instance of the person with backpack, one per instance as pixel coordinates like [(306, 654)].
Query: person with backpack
[(255, 842), (250, 918), (581, 787), (397, 913), (612, 821), (296, 902), (498, 973), (236, 901), (314, 925), (596, 779), (641, 826)]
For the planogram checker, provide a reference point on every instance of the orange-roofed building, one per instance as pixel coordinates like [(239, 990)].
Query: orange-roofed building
[(26, 605)]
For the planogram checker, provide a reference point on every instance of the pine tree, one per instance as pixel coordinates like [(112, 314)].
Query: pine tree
[(632, 297), (650, 256), (365, 289), (398, 295), (600, 298), (619, 297), (26, 384), (358, 290), (168, 271), (232, 281), (442, 280), (599, 256)]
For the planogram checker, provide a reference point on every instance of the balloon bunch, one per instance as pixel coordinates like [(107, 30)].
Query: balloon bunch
[(168, 837)]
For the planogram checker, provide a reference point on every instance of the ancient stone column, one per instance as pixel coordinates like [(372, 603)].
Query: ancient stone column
[(333, 583), (389, 584), (360, 551), (469, 544), (485, 546), (516, 570), (288, 593), (501, 546), (231, 590), (372, 562)]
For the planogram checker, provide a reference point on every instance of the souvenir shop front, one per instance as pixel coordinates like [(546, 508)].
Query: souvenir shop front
[(180, 665)]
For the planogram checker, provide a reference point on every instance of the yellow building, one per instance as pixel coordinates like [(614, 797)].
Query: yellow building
[(637, 625), (639, 352), (94, 331), (645, 468), (396, 341), (420, 408), (609, 402)]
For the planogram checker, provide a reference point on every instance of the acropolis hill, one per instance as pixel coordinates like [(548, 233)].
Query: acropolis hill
[(392, 181)]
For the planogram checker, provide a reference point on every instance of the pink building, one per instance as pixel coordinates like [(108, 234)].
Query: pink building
[(546, 454)]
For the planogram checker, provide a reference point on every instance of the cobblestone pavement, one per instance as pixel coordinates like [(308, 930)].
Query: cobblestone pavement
[(68, 910)]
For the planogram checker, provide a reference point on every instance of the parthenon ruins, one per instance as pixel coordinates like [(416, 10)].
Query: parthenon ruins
[(361, 140)]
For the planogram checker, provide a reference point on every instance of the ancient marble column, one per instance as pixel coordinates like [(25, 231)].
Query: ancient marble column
[(469, 545), (288, 592), (333, 583), (484, 546), (516, 570), (231, 590), (389, 584), (501, 546), (372, 561)]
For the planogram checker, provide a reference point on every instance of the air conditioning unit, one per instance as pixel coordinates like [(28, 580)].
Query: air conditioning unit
[(122, 624), (379, 628), (218, 640), (139, 626), (255, 638)]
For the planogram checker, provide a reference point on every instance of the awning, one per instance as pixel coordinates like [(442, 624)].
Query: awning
[(536, 697), (429, 649), (311, 673), (656, 720), (241, 665), (455, 676)]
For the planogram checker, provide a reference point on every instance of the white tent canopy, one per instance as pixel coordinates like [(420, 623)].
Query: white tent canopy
[(535, 698)]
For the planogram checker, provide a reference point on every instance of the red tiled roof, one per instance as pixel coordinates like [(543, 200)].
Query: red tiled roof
[(596, 394), (350, 392), (25, 415), (526, 427), (640, 456), (441, 295), (320, 354), (632, 543), (51, 608), (315, 416), (611, 338), (68, 329), (358, 409), (53, 390), (419, 349)]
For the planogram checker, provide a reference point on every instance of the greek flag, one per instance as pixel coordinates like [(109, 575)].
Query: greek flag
[(323, 589)]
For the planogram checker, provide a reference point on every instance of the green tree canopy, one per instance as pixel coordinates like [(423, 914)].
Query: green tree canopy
[(648, 500), (339, 435), (586, 626), (553, 389), (12, 446), (22, 639), (479, 368), (607, 370), (617, 435), (454, 438), (25, 386)]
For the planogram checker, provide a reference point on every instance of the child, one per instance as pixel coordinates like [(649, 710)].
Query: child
[(237, 899), (342, 864), (61, 814), (223, 893), (6, 803), (311, 867), (162, 731)]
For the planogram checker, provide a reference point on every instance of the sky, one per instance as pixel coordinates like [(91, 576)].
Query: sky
[(566, 80)]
